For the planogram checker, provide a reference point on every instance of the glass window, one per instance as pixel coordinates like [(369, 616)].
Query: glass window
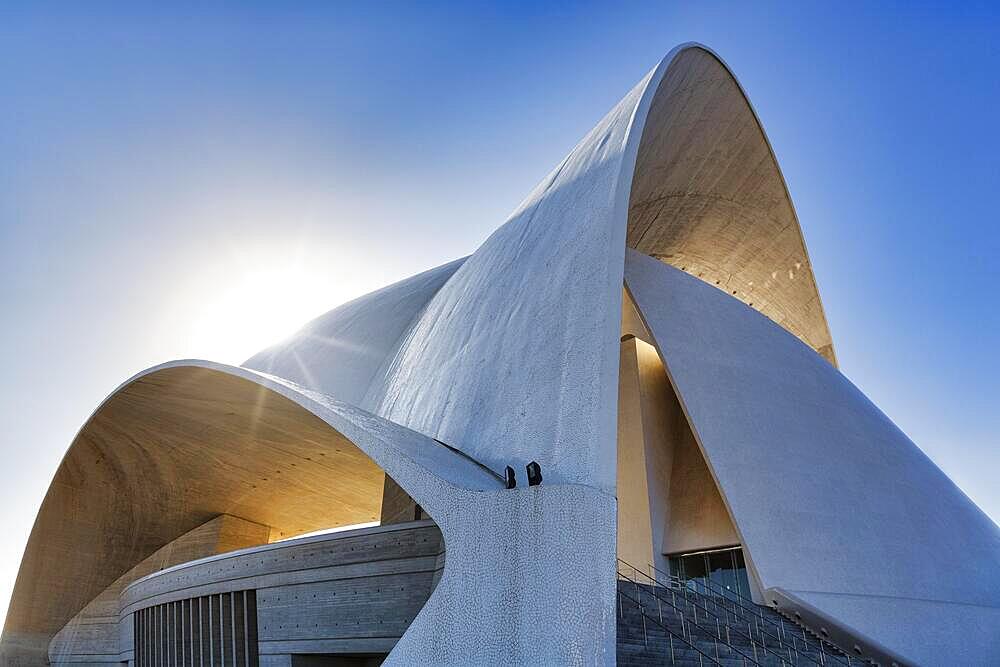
[(676, 567), (694, 566), (742, 580), (716, 572), (721, 569)]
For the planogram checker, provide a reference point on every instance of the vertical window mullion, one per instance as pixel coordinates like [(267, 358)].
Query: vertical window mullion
[(211, 634), (246, 630)]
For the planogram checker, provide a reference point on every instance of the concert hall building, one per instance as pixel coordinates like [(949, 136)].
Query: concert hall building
[(617, 431)]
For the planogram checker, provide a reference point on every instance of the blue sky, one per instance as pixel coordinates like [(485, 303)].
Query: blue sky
[(194, 182)]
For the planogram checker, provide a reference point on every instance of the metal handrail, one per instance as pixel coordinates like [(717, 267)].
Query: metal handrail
[(782, 633), (753, 608), (673, 635), (760, 621), (748, 635), (472, 459), (716, 637)]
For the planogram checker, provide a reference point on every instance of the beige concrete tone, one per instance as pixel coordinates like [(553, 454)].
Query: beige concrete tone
[(93, 634), (662, 426), (349, 592), (708, 197), (667, 500), (398, 506), (635, 541), (632, 324), (161, 456), (697, 518)]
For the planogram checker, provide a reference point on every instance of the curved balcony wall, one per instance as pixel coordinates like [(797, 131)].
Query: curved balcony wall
[(345, 593)]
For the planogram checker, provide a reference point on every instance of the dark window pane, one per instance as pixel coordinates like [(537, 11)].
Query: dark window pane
[(722, 570), (694, 566), (677, 567), (742, 580)]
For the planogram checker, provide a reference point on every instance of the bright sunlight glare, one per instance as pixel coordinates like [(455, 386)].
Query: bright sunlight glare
[(228, 310), (258, 308)]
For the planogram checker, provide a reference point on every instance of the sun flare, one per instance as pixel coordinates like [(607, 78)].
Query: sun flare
[(229, 310), (257, 309)]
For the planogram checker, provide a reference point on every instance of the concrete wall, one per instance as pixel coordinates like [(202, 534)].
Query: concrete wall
[(398, 506), (93, 634), (349, 592), (635, 531), (320, 661), (696, 518), (667, 500)]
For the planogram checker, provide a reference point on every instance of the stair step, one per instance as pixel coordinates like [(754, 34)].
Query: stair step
[(650, 617)]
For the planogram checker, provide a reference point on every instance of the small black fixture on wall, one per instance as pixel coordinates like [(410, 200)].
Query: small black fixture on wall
[(534, 473)]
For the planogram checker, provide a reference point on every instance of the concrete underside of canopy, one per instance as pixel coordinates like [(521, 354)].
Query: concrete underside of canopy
[(165, 454), (708, 197)]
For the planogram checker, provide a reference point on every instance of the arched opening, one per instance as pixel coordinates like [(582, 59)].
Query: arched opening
[(672, 519), (186, 489), (708, 197)]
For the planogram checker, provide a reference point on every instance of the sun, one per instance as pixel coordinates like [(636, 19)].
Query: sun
[(232, 307), (258, 308)]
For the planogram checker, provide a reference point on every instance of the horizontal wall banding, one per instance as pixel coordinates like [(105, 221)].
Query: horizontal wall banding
[(351, 591)]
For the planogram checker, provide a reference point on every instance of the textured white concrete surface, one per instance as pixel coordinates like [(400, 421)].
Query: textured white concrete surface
[(516, 358), (832, 501), (513, 590), (342, 352)]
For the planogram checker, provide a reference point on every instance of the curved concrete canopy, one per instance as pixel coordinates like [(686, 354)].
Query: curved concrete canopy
[(833, 503), (516, 356), (183, 443), (512, 356), (708, 197), (194, 439), (342, 352)]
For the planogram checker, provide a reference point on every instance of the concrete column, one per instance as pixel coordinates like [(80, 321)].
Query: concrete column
[(635, 543)]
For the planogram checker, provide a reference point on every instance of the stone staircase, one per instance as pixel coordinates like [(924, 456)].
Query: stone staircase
[(666, 621)]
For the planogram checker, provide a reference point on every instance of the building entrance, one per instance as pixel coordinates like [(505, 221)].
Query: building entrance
[(718, 570)]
